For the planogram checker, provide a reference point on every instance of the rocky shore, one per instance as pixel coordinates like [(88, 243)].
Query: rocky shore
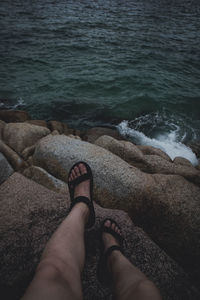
[(156, 201)]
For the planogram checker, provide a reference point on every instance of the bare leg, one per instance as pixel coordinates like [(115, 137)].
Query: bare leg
[(129, 282), (58, 275)]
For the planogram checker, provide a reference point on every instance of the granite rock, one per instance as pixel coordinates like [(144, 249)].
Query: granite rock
[(145, 197), (14, 115), (14, 159), (94, 133), (30, 214), (5, 168), (42, 177), (37, 122), (19, 136)]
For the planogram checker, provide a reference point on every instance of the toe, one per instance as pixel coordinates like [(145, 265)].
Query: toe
[(76, 170), (107, 223), (83, 169), (73, 174), (113, 226)]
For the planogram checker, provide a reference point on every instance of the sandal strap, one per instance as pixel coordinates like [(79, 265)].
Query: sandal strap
[(80, 179), (110, 250), (83, 199), (90, 205), (113, 233)]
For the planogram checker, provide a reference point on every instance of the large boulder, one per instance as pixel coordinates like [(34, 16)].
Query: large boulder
[(21, 135), (94, 133), (14, 115), (41, 176), (124, 149), (149, 150), (38, 122), (5, 168), (145, 197), (55, 125), (30, 214), (14, 159), (157, 162)]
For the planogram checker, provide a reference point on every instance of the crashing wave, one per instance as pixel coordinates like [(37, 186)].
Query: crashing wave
[(166, 142)]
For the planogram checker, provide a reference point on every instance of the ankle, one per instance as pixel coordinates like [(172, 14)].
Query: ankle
[(81, 209), (113, 257)]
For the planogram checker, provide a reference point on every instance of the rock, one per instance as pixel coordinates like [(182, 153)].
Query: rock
[(30, 160), (2, 125), (55, 125), (28, 152), (69, 132), (94, 133), (14, 159), (65, 128), (38, 122), (126, 150), (42, 177), (156, 164), (145, 197), (14, 115), (55, 132), (22, 135), (5, 168), (31, 213), (182, 161), (149, 163), (195, 148), (148, 150)]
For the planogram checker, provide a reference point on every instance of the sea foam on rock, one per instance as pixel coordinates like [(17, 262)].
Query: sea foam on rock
[(167, 206)]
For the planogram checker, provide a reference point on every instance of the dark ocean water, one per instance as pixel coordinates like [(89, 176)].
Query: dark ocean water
[(133, 63)]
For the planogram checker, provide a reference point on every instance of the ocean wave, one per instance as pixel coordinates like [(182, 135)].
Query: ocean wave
[(167, 142)]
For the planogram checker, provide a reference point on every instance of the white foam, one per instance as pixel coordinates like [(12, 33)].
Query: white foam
[(166, 142)]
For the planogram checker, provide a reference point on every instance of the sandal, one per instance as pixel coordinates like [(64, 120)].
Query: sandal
[(103, 274), (72, 184)]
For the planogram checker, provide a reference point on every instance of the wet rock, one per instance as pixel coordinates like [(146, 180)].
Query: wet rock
[(158, 200), (14, 159), (42, 177), (182, 161), (30, 219), (19, 136), (5, 169), (195, 148), (14, 116), (38, 123)]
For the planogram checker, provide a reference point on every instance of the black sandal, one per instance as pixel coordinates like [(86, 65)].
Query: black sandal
[(103, 274), (72, 184)]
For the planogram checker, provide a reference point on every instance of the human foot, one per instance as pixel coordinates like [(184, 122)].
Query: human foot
[(83, 188), (111, 246), (109, 239), (80, 183)]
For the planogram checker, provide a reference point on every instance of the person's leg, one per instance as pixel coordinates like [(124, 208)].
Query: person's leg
[(58, 275), (129, 282)]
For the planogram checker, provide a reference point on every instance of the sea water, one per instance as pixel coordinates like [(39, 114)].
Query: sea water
[(132, 64)]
